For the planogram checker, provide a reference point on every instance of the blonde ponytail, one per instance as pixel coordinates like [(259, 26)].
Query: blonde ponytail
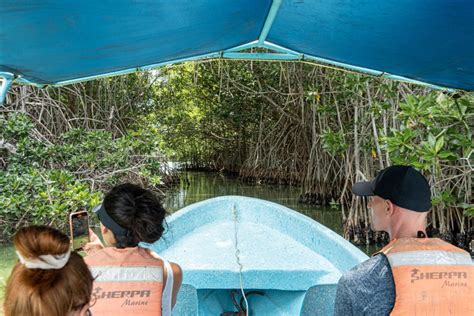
[(44, 282)]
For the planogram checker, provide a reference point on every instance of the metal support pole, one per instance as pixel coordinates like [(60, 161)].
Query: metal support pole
[(261, 56), (7, 80), (269, 21)]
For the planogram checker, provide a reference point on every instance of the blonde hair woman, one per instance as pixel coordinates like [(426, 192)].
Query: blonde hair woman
[(48, 279)]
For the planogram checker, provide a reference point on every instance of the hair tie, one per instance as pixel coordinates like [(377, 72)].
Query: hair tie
[(46, 262)]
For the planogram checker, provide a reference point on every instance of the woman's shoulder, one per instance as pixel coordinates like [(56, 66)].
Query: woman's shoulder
[(177, 271)]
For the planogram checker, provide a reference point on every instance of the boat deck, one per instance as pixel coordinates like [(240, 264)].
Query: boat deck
[(264, 254), (233, 244)]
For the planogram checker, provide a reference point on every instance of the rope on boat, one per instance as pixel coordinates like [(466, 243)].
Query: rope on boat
[(241, 311), (237, 257)]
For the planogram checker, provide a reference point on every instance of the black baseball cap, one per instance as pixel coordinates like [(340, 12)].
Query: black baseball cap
[(402, 185), (108, 221)]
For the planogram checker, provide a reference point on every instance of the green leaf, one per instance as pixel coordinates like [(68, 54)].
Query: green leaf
[(469, 212), (446, 155), (465, 205), (431, 140), (439, 144)]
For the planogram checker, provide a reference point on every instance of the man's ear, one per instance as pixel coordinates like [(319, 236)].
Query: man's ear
[(390, 207), (103, 229)]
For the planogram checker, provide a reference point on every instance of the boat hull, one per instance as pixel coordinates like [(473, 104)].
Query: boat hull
[(233, 244)]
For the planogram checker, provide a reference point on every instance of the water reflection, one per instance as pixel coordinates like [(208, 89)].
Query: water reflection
[(198, 186)]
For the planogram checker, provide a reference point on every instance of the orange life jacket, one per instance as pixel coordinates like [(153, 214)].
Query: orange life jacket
[(127, 282), (432, 277)]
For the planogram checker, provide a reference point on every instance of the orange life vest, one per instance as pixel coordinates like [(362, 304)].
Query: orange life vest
[(432, 277), (127, 282)]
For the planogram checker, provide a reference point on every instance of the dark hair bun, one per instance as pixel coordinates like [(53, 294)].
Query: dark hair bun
[(137, 210)]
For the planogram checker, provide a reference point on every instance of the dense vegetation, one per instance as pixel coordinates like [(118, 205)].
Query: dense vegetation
[(58, 155), (323, 129), (293, 123)]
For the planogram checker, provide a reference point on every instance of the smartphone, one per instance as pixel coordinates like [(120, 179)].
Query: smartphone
[(79, 225)]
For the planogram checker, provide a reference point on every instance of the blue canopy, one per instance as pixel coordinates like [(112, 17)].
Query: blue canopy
[(55, 42)]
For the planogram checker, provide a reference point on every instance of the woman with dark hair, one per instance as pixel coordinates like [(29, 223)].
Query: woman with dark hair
[(130, 280), (48, 279)]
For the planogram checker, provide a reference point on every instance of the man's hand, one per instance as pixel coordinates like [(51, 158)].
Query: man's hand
[(94, 245)]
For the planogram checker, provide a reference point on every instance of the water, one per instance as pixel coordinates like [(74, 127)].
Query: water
[(8, 257), (204, 185), (201, 186)]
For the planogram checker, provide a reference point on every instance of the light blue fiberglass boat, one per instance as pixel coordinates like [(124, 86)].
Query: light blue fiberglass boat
[(285, 262)]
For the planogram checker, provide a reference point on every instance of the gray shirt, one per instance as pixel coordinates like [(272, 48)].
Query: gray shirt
[(367, 289)]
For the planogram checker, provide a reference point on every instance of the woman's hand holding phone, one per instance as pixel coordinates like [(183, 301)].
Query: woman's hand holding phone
[(94, 245), (79, 227)]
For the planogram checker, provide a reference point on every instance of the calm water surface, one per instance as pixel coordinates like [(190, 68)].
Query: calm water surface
[(207, 185), (200, 186)]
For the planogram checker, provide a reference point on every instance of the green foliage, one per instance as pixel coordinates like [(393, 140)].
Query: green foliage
[(333, 142), (468, 209), (42, 182), (435, 132), (91, 150), (197, 118), (17, 126), (284, 120), (41, 196)]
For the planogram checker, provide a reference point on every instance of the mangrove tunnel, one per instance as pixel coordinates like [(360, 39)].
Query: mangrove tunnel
[(292, 123)]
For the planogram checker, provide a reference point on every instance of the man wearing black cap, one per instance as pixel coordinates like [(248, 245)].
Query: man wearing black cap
[(412, 274)]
